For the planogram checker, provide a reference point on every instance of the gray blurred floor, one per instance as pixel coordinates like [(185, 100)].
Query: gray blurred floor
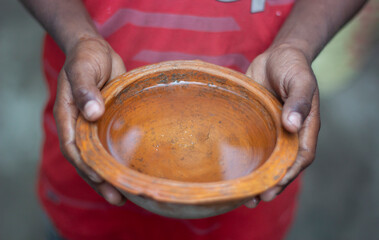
[(339, 199), (22, 94)]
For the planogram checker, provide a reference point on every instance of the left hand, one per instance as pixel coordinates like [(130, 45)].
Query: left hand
[(286, 72), (90, 63)]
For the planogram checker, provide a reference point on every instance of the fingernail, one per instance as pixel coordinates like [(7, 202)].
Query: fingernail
[(295, 119), (114, 198), (91, 108), (270, 194), (110, 197), (252, 203)]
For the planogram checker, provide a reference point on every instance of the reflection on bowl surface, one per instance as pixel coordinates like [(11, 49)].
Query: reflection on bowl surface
[(186, 130)]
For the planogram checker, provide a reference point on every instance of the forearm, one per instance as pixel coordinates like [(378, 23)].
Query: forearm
[(66, 21), (312, 24)]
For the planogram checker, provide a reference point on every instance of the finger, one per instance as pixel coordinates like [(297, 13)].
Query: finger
[(257, 72), (118, 66), (308, 134), (106, 190), (307, 147), (300, 89), (65, 114), (83, 78), (270, 194), (111, 194), (290, 176), (253, 203)]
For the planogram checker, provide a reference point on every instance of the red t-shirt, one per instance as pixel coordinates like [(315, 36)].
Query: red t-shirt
[(144, 32)]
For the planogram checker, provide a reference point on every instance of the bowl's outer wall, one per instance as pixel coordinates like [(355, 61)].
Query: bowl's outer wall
[(183, 211)]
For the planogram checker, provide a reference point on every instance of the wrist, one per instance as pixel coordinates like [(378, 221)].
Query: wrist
[(72, 42), (298, 44)]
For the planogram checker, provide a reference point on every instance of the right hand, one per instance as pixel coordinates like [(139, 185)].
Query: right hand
[(285, 71), (90, 63)]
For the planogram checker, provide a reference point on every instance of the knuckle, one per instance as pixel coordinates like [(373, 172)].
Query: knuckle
[(317, 123), (81, 92), (315, 119), (287, 180), (310, 156), (307, 163), (116, 56), (75, 67), (304, 103), (64, 151), (80, 165), (284, 182), (310, 80), (307, 156), (84, 176)]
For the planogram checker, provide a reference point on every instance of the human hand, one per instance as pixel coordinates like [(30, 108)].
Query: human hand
[(286, 72), (90, 63)]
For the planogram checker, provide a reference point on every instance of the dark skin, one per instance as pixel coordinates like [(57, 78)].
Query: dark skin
[(284, 69)]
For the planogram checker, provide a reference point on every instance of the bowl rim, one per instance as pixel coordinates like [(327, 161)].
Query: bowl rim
[(165, 190)]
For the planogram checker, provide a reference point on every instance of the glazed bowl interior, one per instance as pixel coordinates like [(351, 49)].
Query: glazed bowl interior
[(188, 126)]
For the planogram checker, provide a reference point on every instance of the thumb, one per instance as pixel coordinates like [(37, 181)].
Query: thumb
[(86, 94), (300, 91)]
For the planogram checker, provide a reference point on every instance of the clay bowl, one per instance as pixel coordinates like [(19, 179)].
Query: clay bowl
[(187, 139)]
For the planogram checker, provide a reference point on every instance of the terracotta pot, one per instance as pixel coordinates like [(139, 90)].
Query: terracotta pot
[(188, 139)]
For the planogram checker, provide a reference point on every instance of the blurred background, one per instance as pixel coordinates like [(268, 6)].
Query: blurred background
[(340, 197)]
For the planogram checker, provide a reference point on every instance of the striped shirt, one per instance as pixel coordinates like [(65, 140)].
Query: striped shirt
[(229, 33)]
